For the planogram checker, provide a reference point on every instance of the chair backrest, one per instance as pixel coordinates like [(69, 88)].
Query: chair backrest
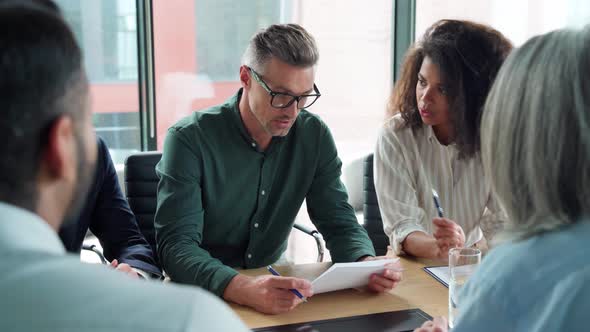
[(141, 187), (373, 222), (352, 177)]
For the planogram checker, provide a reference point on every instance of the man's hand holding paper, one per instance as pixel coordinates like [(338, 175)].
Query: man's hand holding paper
[(386, 280), (379, 274)]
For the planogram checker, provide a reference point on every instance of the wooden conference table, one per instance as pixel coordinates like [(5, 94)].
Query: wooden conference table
[(417, 290)]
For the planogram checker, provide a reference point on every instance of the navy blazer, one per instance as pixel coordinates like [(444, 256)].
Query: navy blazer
[(109, 217)]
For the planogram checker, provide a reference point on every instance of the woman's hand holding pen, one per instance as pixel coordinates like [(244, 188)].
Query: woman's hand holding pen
[(268, 294), (448, 234)]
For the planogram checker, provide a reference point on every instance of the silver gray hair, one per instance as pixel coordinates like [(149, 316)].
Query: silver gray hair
[(536, 134), (289, 43)]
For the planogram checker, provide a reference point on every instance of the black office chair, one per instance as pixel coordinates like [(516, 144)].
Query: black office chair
[(141, 183), (141, 188), (372, 215)]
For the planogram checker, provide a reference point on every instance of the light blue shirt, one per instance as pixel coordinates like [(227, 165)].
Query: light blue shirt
[(44, 289), (539, 284)]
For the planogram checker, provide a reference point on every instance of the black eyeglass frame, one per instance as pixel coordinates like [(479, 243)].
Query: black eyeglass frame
[(274, 94)]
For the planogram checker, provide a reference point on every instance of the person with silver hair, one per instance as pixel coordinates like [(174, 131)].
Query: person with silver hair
[(536, 151), (233, 178)]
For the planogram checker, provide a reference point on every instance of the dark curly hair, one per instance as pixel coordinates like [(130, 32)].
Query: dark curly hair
[(468, 56)]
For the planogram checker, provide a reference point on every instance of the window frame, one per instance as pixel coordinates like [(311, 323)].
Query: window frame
[(403, 26)]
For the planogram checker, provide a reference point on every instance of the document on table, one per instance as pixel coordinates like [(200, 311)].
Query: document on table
[(440, 273), (348, 275)]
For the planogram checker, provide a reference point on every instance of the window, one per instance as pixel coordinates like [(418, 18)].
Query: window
[(197, 59), (518, 20), (107, 32), (218, 44)]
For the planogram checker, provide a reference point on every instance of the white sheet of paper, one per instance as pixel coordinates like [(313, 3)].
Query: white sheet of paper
[(348, 275)]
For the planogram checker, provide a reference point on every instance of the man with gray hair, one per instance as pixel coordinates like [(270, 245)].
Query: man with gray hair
[(233, 178)]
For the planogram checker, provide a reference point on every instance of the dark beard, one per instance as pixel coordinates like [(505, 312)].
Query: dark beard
[(86, 173)]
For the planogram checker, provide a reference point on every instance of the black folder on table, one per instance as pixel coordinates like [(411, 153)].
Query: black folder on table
[(395, 321)]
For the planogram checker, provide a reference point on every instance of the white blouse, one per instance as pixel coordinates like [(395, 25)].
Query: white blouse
[(408, 164)]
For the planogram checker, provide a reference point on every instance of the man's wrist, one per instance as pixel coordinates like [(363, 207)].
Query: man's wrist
[(234, 290)]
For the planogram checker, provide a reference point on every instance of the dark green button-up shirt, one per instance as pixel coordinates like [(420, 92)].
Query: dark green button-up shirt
[(223, 203)]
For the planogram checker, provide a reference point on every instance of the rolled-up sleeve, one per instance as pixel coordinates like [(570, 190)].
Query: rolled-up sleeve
[(396, 191)]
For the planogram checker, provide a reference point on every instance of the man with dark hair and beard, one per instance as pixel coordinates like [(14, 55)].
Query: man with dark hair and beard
[(48, 151), (105, 211)]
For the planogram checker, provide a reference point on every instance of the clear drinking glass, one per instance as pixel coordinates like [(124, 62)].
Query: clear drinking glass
[(462, 264)]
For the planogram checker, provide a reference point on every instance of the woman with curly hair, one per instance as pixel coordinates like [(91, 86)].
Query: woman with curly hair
[(432, 142)]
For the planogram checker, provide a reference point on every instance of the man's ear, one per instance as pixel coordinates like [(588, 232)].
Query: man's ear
[(58, 156), (245, 78)]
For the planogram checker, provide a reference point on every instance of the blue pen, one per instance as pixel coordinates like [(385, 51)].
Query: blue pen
[(438, 208), (294, 291)]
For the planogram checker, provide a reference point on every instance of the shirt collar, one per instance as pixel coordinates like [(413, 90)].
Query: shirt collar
[(233, 103), (23, 230)]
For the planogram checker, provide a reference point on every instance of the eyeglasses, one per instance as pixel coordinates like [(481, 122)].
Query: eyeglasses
[(284, 100)]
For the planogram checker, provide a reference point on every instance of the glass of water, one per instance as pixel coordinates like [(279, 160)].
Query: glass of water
[(462, 264)]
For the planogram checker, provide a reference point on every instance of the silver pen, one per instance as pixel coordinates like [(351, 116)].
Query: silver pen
[(437, 204)]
